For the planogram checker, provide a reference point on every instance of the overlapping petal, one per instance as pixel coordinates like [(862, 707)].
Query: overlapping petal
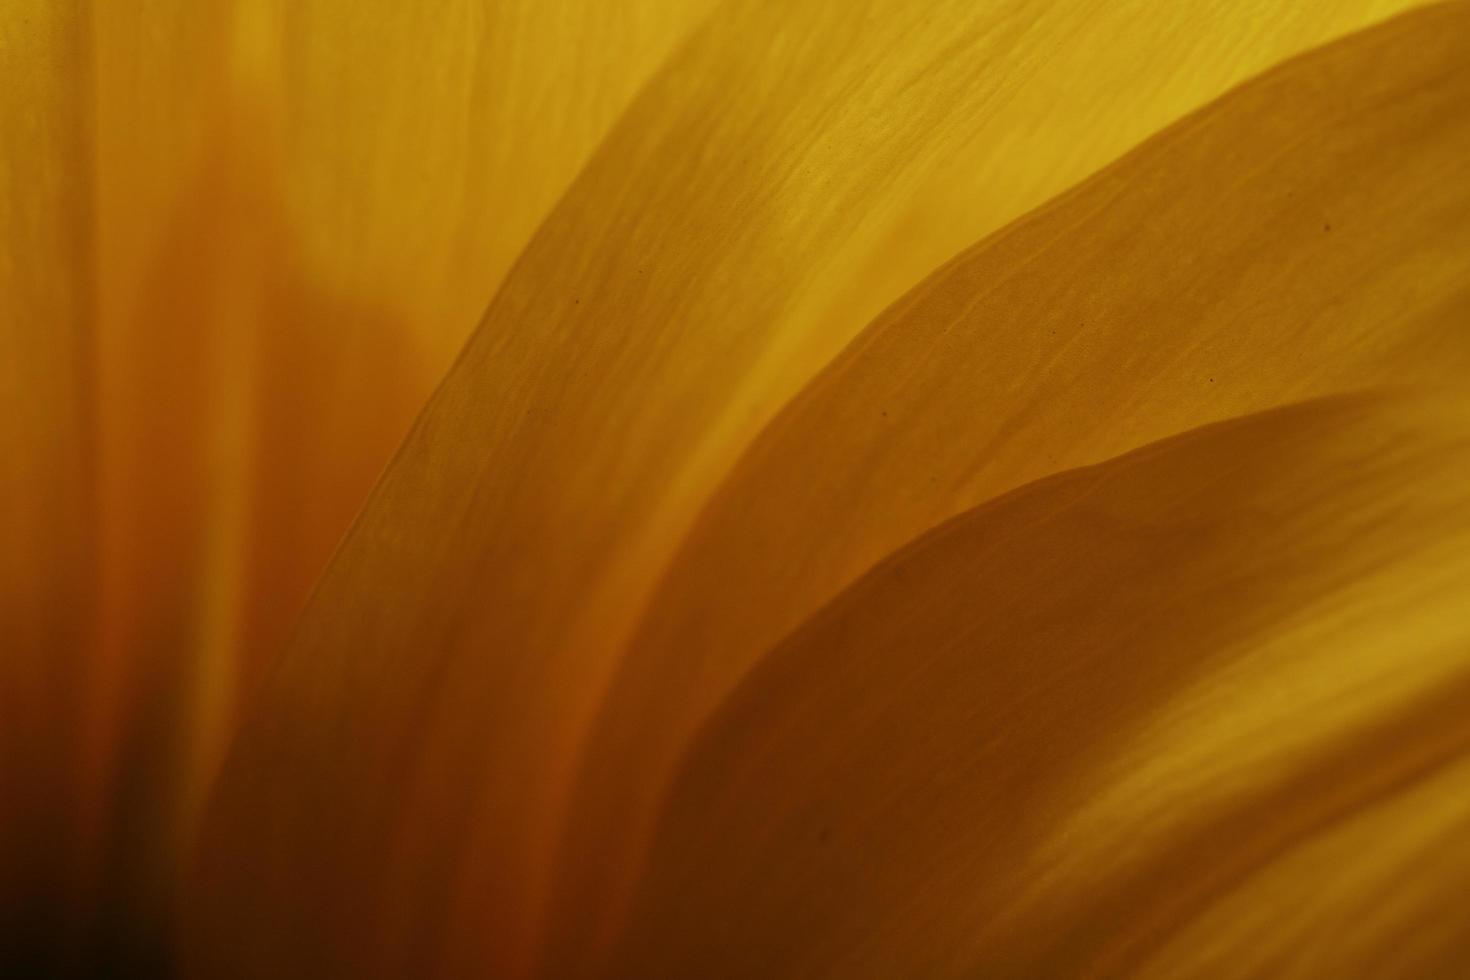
[(302, 210), (606, 679), (1147, 697), (1235, 263), (404, 784), (242, 241)]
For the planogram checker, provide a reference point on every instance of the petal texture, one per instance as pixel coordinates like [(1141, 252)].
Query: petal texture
[(299, 211), (302, 211), (45, 442), (460, 648), (1149, 695), (1306, 235)]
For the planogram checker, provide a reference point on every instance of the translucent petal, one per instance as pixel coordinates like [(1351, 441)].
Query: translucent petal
[(405, 779), (302, 210), (1136, 698), (45, 441), (1308, 234), (242, 240)]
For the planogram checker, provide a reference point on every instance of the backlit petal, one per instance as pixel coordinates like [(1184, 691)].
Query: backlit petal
[(1151, 695), (301, 210), (404, 782), (45, 442), (1307, 235)]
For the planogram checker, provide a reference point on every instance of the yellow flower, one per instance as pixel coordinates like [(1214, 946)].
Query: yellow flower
[(937, 488)]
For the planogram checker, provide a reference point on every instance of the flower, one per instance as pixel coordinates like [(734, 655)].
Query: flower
[(936, 489)]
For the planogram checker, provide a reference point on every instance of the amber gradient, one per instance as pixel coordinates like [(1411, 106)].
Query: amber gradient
[(1236, 263), (243, 240), (841, 488)]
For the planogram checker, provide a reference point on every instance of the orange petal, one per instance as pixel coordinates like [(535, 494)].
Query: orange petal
[(301, 210), (45, 442)]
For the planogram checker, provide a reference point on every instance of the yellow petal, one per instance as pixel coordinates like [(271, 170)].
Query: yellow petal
[(301, 210), (1112, 75), (459, 648), (45, 439), (1073, 721), (1309, 234), (426, 141), (1374, 892)]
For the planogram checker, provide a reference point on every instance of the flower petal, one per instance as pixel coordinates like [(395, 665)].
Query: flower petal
[(1067, 724), (1307, 235), (302, 210), (45, 557), (659, 317), (240, 240)]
